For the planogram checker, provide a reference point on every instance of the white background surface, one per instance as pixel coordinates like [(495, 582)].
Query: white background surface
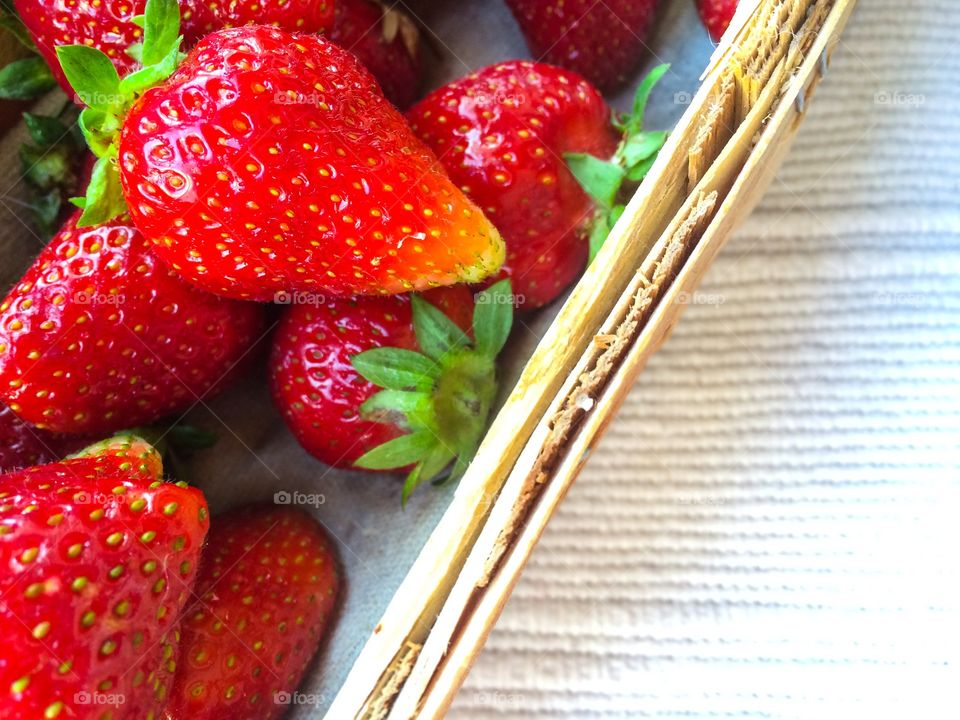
[(771, 526)]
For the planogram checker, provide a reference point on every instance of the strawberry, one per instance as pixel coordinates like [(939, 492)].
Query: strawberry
[(603, 41), (386, 41), (506, 135), (716, 16), (271, 162), (99, 335), (315, 386), (22, 445), (111, 26), (330, 364), (267, 588), (99, 557)]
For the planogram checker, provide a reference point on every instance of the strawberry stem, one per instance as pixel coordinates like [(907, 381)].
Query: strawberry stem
[(607, 182), (107, 98), (442, 395)]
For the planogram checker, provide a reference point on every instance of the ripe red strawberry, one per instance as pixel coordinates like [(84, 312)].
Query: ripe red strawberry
[(716, 15), (502, 134), (99, 557), (109, 26), (99, 335), (603, 41), (267, 588), (331, 362), (386, 41), (317, 389), (533, 145), (22, 445), (271, 162)]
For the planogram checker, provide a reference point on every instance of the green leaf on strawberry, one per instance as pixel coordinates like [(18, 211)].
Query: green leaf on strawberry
[(107, 98), (605, 181), (26, 79), (442, 395)]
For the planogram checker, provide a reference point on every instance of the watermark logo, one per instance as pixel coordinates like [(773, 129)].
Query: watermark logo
[(682, 97), (99, 498), (699, 298), (298, 698), (283, 497), (94, 99), (99, 698), (500, 299), (897, 99), (89, 298), (299, 298)]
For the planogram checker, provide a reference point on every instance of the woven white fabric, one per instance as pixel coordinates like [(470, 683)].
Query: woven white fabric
[(770, 527)]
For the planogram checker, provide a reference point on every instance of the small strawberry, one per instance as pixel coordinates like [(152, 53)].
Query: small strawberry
[(271, 162), (22, 445), (100, 557), (112, 26), (267, 588), (716, 16), (386, 41), (330, 364), (315, 386), (507, 135), (99, 335), (603, 41)]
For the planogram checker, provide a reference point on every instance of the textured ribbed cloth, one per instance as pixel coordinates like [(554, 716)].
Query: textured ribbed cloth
[(770, 527)]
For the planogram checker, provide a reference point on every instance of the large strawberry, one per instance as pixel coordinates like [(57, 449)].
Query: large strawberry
[(99, 335), (22, 445), (386, 41), (603, 40), (267, 588), (506, 135), (111, 25), (716, 16), (392, 382), (271, 162), (99, 559)]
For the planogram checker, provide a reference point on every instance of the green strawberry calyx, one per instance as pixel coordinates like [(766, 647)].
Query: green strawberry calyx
[(25, 78), (441, 395), (607, 181), (107, 98)]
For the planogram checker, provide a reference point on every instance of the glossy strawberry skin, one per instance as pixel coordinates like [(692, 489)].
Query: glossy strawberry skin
[(716, 16), (99, 335), (386, 42), (603, 41), (501, 134), (268, 587), (22, 445), (100, 557), (271, 162), (108, 24), (313, 383)]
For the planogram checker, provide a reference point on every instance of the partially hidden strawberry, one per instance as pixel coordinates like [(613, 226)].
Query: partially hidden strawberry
[(271, 162), (22, 445), (99, 558), (267, 590), (386, 41), (534, 146), (392, 383), (99, 335), (113, 26), (603, 41), (716, 16)]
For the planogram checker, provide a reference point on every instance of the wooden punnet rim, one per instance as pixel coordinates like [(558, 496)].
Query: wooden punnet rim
[(713, 170)]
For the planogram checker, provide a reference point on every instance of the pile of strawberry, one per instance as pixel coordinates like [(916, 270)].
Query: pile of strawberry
[(236, 165)]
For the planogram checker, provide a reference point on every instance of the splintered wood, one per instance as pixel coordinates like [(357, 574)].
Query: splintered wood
[(392, 681), (607, 354), (774, 44)]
